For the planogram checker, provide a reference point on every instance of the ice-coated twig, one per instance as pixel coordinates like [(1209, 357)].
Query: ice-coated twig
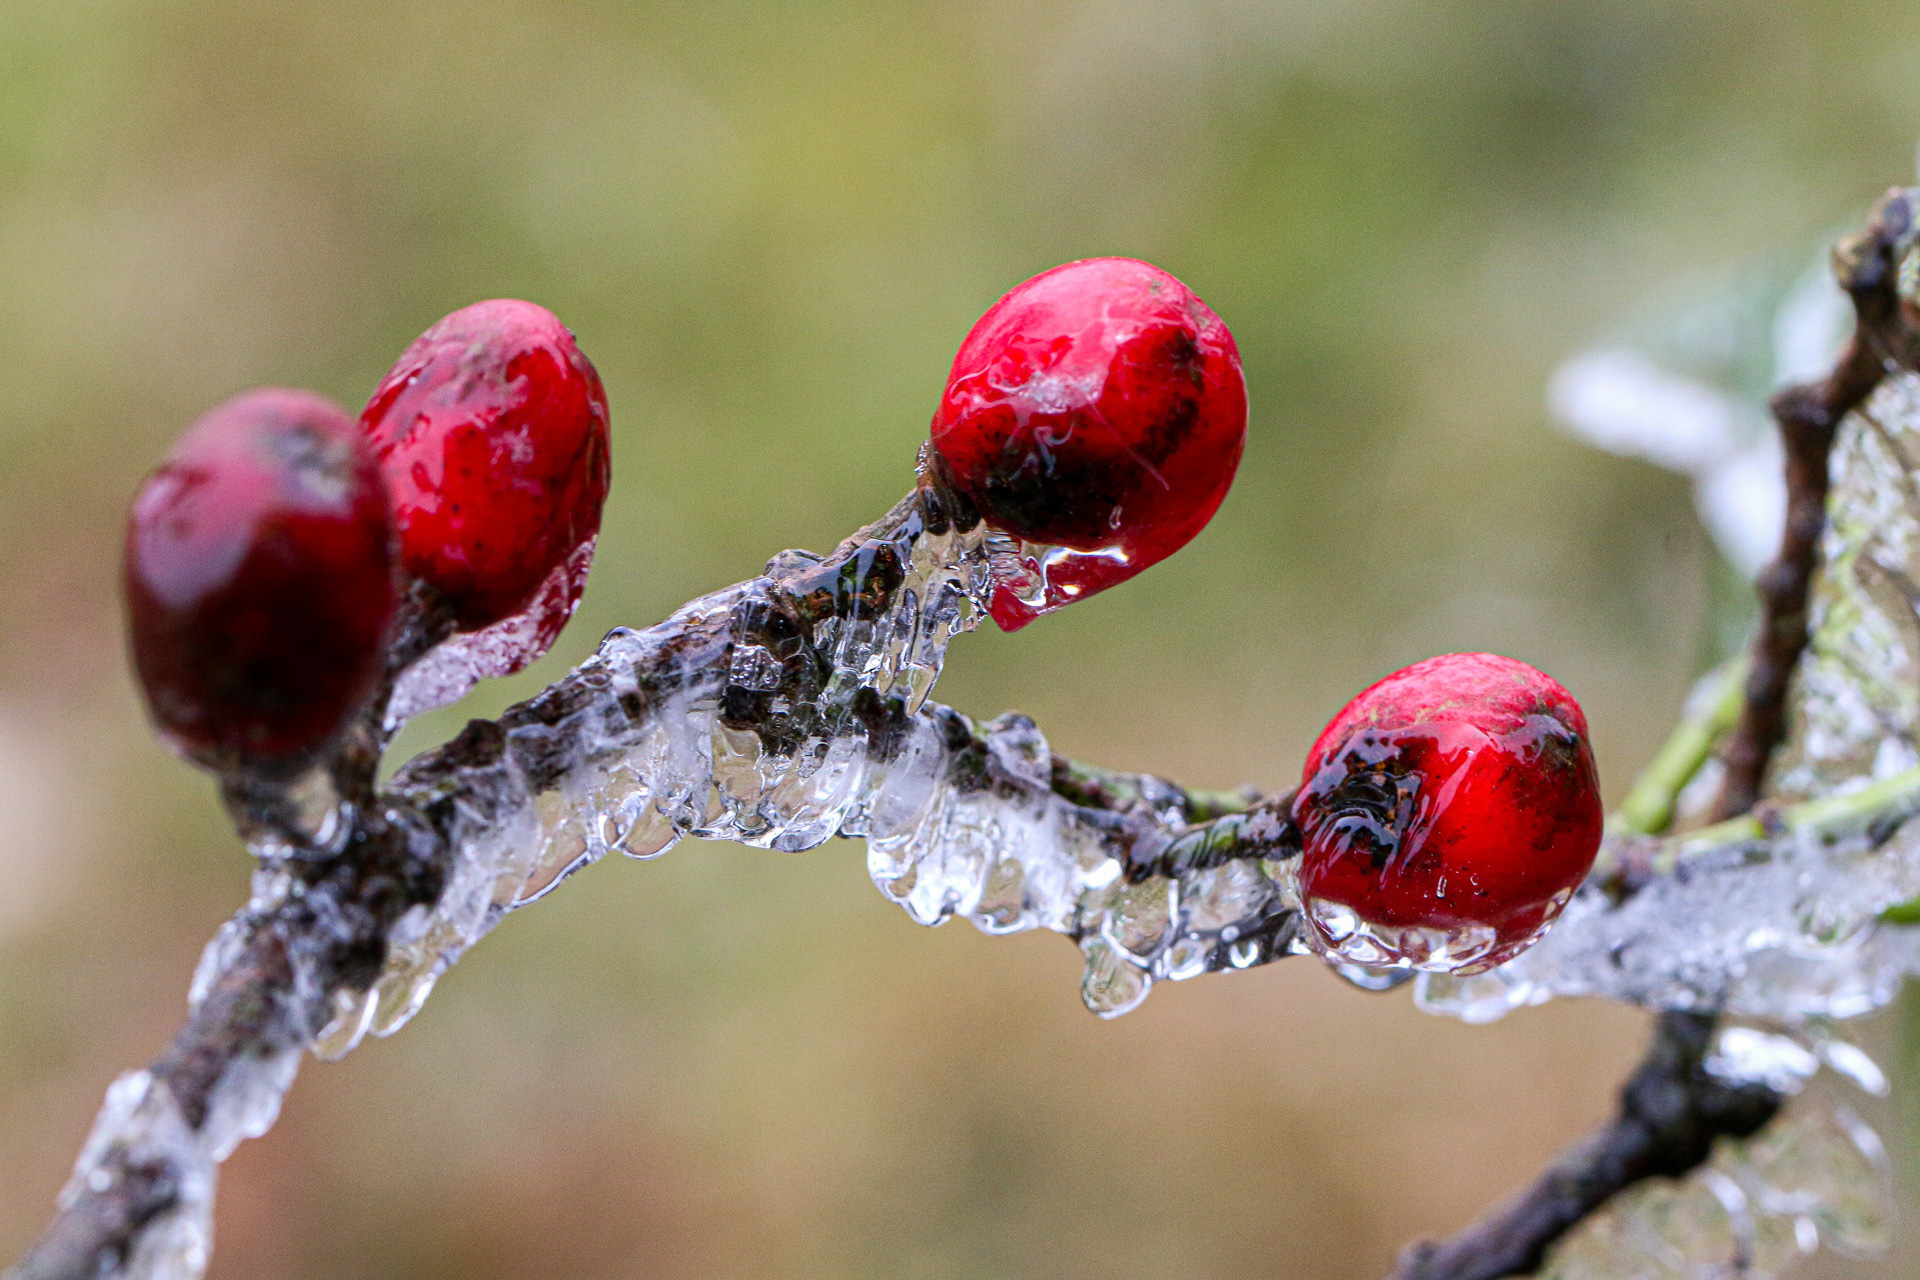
[(1885, 337), (1671, 1109), (779, 712)]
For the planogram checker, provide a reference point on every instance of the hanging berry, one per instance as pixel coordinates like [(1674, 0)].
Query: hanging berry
[(1096, 413), (1447, 814), (259, 582), (492, 432)]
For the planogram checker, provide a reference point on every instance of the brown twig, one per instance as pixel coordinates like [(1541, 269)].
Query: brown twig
[(1884, 337), (1671, 1110)]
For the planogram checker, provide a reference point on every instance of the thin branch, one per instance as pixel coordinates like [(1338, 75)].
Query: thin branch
[(1671, 1113), (330, 932), (1884, 338)]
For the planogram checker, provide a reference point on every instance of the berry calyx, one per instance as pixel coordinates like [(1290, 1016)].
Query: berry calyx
[(259, 582), (1446, 816), (1096, 413), (492, 432)]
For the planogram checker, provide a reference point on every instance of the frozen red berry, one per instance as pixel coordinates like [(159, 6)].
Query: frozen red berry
[(259, 581), (1096, 413), (1446, 815), (492, 432)]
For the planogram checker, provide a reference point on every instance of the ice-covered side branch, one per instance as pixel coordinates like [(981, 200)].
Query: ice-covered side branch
[(1673, 1109), (1885, 338)]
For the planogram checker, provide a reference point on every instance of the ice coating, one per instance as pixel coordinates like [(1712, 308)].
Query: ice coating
[(968, 823), (445, 674), (754, 714), (1786, 927), (140, 1134), (1856, 713), (787, 710)]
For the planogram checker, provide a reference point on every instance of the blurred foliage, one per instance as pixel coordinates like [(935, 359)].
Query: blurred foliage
[(770, 225)]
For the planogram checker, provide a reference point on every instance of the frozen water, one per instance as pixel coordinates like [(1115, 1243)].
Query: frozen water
[(1786, 928), (1856, 713), (750, 715), (787, 710), (1787, 925), (140, 1131), (1687, 390), (451, 668), (790, 709), (1746, 1054)]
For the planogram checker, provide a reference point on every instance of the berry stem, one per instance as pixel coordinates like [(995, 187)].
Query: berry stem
[(1648, 809)]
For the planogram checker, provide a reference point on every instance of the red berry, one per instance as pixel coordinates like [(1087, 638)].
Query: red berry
[(1097, 413), (259, 581), (492, 432), (1447, 814)]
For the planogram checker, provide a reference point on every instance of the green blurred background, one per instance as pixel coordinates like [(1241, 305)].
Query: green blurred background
[(770, 224)]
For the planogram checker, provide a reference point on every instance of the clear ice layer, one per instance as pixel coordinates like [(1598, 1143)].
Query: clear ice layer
[(140, 1132), (773, 715), (444, 674), (1855, 713), (1786, 928), (1348, 939)]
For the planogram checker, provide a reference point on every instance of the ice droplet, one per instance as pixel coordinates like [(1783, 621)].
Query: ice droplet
[(1747, 1055)]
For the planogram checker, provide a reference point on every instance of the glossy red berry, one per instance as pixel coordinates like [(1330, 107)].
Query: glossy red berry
[(1096, 413), (259, 581), (492, 432), (1447, 814)]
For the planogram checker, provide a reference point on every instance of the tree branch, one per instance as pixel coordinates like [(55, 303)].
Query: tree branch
[(1885, 337), (1671, 1110), (762, 655), (818, 652)]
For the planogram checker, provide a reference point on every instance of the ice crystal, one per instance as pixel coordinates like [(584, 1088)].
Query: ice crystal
[(1687, 389)]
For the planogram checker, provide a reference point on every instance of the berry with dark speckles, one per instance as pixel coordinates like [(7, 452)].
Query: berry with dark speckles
[(1096, 413), (1446, 815)]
